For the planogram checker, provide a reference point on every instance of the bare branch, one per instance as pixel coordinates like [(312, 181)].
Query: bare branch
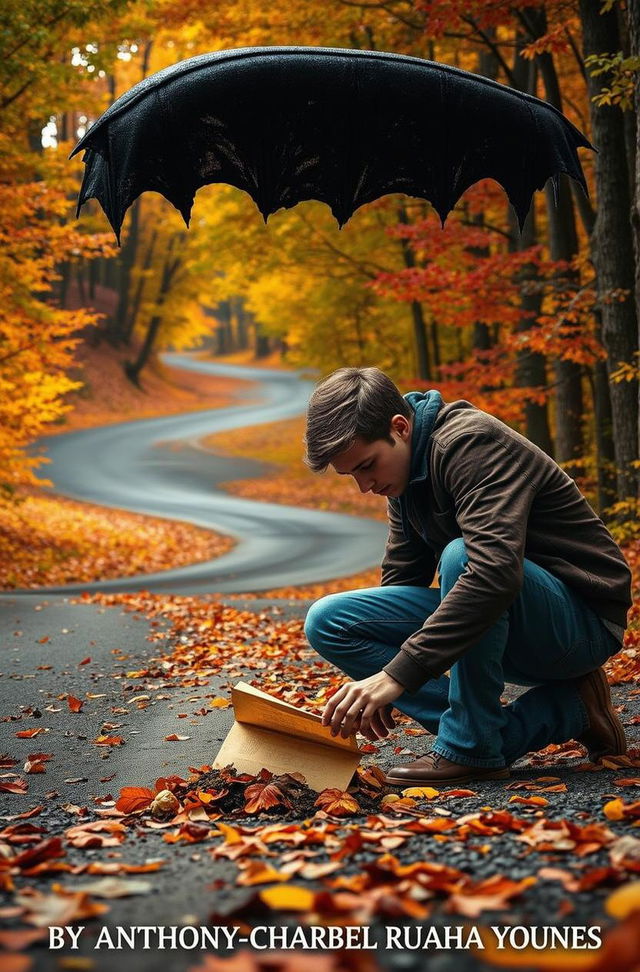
[(493, 47)]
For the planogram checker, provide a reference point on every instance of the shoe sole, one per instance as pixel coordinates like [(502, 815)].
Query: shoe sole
[(604, 698), (498, 774)]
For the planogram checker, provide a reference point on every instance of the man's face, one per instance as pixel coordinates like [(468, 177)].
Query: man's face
[(379, 466)]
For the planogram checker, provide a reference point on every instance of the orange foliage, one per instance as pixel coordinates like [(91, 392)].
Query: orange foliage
[(45, 541)]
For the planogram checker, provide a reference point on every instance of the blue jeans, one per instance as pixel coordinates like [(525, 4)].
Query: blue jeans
[(547, 639)]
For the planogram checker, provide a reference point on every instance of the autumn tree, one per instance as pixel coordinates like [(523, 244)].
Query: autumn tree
[(36, 337)]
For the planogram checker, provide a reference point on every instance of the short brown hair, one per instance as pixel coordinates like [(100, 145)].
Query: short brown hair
[(351, 403)]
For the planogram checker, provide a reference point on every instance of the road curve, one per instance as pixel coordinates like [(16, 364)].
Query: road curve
[(157, 466)]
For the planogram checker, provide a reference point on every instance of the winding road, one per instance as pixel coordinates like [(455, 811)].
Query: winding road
[(157, 466)]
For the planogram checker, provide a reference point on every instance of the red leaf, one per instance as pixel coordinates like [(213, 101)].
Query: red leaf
[(44, 851), (34, 766), (16, 786)]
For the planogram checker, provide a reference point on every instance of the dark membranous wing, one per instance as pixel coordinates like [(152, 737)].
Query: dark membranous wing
[(344, 127)]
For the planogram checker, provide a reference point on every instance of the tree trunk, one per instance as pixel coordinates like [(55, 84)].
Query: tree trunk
[(633, 22), (126, 261), (531, 366), (223, 313), (262, 347), (171, 267), (134, 308), (563, 241), (423, 365), (612, 247)]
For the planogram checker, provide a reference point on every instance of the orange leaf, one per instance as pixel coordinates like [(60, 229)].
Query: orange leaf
[(614, 809), (190, 832), (262, 796), (75, 705), (338, 803), (33, 766), (30, 733), (108, 741), (15, 939), (133, 798), (174, 737), (534, 801), (259, 872), (88, 835), (14, 962)]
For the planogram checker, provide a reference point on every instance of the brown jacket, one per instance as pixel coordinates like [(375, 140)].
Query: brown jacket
[(474, 477)]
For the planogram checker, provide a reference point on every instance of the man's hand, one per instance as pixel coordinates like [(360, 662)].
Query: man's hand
[(363, 706)]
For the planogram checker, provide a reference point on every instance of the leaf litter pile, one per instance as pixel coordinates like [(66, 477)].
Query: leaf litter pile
[(514, 850)]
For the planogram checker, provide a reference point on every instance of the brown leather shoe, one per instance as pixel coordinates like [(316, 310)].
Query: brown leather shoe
[(434, 768), (605, 735)]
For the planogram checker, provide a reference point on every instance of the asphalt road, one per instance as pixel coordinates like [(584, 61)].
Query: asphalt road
[(43, 645), (157, 466)]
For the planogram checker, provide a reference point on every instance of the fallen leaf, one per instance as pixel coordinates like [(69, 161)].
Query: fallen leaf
[(110, 887), (288, 897), (96, 834), (219, 703), (263, 796), (43, 910), (15, 786), (259, 872), (15, 939), (338, 803), (428, 792), (623, 901), (534, 801), (34, 767), (134, 798)]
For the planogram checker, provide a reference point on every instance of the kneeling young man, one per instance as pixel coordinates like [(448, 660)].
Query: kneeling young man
[(533, 588)]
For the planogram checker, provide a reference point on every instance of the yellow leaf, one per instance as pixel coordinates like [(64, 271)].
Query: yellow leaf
[(288, 897), (421, 791), (624, 900), (614, 809), (231, 835)]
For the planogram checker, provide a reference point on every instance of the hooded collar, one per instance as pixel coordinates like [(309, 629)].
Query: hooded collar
[(426, 406)]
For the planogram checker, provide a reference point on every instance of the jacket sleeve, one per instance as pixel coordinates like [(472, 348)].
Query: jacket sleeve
[(407, 560), (492, 492)]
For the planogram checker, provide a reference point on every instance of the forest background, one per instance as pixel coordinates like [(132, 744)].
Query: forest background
[(540, 328)]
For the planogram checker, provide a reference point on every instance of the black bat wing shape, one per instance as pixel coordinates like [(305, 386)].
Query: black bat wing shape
[(341, 126)]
